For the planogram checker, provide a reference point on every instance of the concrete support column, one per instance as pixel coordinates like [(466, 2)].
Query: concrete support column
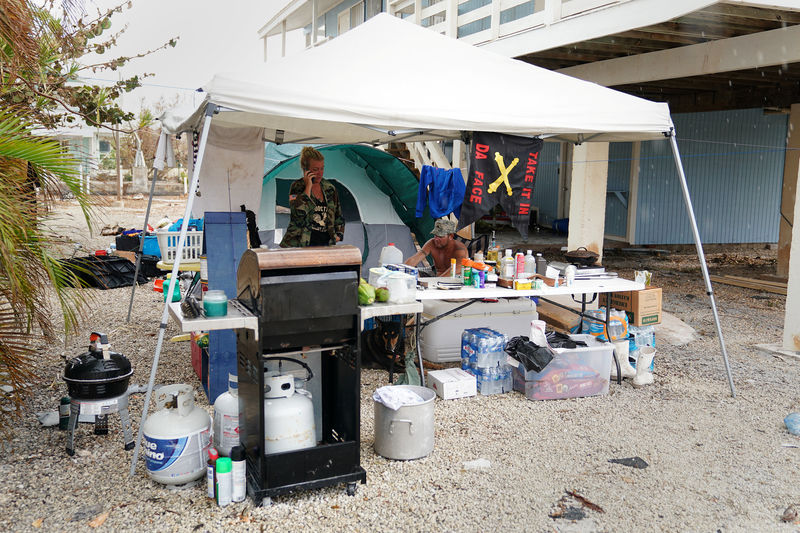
[(791, 166), (587, 200), (791, 321)]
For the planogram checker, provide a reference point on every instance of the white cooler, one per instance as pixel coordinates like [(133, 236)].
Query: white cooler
[(440, 342)]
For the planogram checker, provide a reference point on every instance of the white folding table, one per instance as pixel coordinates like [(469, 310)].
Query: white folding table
[(471, 294)]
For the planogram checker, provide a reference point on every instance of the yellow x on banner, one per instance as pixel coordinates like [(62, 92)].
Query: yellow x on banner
[(503, 174)]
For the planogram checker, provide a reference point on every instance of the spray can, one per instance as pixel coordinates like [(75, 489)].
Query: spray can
[(453, 267), (224, 481), (63, 413), (211, 479), (238, 474)]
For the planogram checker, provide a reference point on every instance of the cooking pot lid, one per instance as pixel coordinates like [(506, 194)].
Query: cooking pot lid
[(92, 366), (582, 252)]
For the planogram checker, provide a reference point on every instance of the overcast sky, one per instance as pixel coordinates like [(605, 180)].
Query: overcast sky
[(215, 36)]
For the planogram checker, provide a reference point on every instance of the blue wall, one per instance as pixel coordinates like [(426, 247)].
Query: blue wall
[(545, 191), (734, 169), (619, 172)]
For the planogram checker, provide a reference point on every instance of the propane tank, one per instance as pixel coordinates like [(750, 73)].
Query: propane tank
[(288, 415), (176, 437), (226, 418)]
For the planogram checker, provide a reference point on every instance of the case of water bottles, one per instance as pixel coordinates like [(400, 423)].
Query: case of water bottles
[(483, 355)]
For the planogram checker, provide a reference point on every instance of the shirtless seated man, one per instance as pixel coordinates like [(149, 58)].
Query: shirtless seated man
[(442, 247)]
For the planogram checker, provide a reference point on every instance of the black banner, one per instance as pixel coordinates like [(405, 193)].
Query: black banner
[(502, 169)]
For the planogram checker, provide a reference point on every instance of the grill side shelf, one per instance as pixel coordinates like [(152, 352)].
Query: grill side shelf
[(238, 317)]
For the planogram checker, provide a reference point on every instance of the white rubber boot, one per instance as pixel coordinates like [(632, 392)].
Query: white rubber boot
[(621, 348), (643, 375)]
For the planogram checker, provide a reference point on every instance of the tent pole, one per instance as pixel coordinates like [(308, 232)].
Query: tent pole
[(703, 266), (141, 242), (210, 110)]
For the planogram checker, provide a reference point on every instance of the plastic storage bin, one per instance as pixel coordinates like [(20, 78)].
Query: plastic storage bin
[(573, 373), (440, 342), (192, 247)]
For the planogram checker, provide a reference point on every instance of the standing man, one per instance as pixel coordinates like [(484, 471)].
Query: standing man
[(442, 247)]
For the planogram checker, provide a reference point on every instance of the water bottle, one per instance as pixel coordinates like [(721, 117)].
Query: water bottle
[(391, 255)]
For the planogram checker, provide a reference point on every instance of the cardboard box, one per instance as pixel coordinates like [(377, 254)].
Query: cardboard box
[(643, 307), (452, 383)]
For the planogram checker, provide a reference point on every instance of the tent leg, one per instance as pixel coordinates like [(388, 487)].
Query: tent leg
[(703, 266), (141, 242), (210, 110)]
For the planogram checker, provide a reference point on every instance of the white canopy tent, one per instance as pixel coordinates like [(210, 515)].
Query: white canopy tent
[(350, 90)]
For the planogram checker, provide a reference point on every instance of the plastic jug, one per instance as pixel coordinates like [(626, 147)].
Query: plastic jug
[(391, 255), (402, 288)]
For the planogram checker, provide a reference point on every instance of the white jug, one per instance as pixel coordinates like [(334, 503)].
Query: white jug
[(402, 288), (391, 255)]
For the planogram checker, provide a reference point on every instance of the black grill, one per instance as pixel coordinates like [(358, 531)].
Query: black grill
[(306, 299)]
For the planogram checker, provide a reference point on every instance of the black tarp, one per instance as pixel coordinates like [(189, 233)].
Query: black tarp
[(103, 272)]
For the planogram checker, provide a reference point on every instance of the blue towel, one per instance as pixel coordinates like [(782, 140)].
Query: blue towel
[(443, 191)]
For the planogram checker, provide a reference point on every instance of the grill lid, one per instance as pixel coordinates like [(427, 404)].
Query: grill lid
[(93, 366)]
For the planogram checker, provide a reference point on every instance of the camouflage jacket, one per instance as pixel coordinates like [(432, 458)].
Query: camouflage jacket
[(302, 209)]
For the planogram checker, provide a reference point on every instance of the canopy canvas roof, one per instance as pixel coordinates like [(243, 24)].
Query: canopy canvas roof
[(351, 90)]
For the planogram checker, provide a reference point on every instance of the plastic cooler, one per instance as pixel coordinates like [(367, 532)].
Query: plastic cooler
[(572, 373), (440, 342)]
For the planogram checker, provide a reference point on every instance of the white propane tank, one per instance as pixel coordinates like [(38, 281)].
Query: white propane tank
[(176, 437), (288, 416), (226, 418)]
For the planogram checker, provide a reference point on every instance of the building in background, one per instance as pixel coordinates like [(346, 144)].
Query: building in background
[(730, 71)]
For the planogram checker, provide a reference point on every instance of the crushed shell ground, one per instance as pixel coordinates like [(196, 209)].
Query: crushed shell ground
[(715, 463)]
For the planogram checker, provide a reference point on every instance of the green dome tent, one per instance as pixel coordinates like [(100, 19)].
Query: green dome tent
[(377, 191)]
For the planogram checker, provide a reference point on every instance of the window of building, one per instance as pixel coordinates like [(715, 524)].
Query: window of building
[(472, 5), (517, 12), (433, 19), (474, 27), (105, 146)]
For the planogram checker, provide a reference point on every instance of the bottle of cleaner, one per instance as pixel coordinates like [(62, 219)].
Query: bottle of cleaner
[(530, 263), (507, 266), (541, 265)]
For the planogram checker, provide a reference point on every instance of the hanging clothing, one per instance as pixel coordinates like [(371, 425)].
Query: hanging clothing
[(443, 191)]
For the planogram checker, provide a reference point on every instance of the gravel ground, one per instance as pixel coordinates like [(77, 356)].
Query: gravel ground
[(716, 463)]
